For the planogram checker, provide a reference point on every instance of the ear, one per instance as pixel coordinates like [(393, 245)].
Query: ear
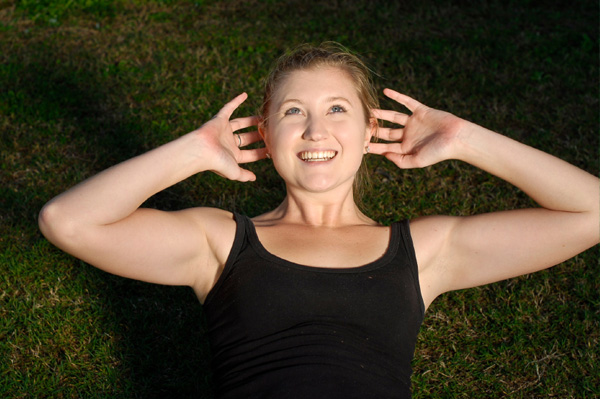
[(262, 131), (371, 130), (261, 127)]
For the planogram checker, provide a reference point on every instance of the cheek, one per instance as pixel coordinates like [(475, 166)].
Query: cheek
[(268, 136), (356, 132), (280, 136)]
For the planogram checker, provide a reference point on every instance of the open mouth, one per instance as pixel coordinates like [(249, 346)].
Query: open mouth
[(317, 156)]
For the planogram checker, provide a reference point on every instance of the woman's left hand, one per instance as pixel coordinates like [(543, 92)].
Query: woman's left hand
[(468, 251), (427, 136)]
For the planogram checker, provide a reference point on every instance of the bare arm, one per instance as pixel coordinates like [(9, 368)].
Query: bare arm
[(461, 252), (100, 222)]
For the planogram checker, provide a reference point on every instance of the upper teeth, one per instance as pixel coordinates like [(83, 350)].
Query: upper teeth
[(317, 155)]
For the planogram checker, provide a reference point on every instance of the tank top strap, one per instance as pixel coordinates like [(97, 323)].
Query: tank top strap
[(241, 232), (406, 243)]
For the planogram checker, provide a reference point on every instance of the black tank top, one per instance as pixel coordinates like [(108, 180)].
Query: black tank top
[(278, 329)]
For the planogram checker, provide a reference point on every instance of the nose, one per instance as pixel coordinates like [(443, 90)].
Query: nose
[(316, 129)]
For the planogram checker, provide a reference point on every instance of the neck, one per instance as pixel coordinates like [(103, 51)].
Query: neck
[(319, 209)]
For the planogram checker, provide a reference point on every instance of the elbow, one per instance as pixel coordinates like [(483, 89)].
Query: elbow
[(45, 220), (55, 225)]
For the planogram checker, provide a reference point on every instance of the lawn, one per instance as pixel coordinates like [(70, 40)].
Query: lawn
[(86, 84)]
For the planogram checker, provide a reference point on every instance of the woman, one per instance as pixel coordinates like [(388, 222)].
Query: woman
[(314, 298)]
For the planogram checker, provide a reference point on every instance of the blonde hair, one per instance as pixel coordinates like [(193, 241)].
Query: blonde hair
[(327, 54)]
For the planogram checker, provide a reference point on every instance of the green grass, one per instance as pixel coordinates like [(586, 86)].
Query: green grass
[(86, 84)]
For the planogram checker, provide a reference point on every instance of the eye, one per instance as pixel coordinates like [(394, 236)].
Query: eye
[(337, 108), (293, 111)]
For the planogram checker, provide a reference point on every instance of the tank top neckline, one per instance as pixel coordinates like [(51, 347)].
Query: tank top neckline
[(388, 255)]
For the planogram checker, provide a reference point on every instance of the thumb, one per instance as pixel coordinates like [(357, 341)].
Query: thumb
[(245, 176)]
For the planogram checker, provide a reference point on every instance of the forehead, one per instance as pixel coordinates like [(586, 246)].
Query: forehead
[(315, 84)]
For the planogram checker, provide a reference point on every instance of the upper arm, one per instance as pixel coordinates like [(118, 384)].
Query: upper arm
[(172, 248), (462, 252)]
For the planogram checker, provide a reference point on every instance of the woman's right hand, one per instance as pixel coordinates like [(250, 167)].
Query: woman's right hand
[(100, 220), (223, 147)]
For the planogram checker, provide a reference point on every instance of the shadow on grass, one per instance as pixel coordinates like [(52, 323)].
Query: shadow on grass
[(71, 128)]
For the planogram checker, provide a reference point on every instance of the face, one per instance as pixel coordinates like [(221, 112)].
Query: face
[(317, 131)]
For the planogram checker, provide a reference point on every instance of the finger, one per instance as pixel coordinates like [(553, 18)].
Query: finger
[(241, 174), (245, 175), (391, 116), (403, 99), (394, 153), (242, 123), (237, 174), (232, 105), (405, 161), (256, 154), (390, 134), (248, 138), (385, 148)]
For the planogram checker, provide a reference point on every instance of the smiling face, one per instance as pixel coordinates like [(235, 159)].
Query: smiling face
[(317, 130)]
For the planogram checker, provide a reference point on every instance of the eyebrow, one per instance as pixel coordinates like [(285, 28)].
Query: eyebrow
[(334, 99), (290, 100), (327, 100)]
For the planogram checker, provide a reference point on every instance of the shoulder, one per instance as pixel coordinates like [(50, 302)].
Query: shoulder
[(218, 225), (430, 234), (219, 229), (208, 216)]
